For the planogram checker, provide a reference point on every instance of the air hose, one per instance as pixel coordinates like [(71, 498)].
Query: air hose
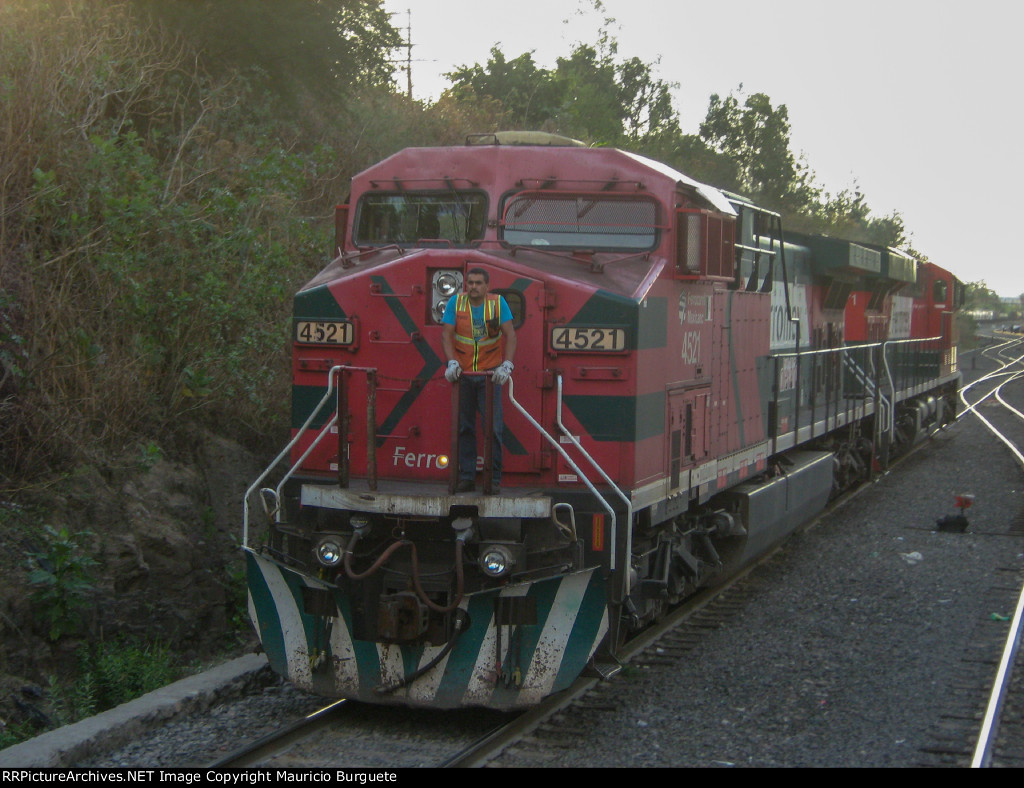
[(461, 621), (459, 572)]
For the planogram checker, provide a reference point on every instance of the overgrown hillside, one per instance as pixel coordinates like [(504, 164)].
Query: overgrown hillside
[(158, 208)]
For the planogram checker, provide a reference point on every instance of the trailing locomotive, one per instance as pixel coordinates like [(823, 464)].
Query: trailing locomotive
[(688, 387)]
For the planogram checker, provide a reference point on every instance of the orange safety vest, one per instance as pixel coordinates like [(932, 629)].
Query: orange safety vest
[(477, 354)]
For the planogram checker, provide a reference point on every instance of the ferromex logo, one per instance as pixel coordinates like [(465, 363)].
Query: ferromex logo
[(412, 459)]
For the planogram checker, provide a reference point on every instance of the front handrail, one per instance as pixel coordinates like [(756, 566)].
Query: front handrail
[(590, 486), (334, 371)]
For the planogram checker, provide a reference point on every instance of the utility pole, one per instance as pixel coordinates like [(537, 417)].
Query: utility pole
[(408, 51), (407, 62), (407, 46)]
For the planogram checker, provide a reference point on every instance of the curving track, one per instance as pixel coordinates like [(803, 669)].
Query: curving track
[(1005, 708)]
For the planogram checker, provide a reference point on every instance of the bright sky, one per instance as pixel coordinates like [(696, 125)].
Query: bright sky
[(917, 101)]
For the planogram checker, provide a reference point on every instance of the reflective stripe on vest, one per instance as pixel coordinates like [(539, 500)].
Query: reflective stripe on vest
[(471, 354)]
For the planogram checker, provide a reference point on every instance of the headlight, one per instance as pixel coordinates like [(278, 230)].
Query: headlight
[(444, 285), (328, 551), (496, 560), (448, 282)]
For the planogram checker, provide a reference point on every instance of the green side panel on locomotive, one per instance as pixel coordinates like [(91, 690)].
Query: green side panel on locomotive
[(898, 266), (317, 303), (645, 325), (619, 419), (833, 256)]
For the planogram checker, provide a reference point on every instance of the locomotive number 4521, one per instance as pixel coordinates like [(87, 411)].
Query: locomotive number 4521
[(322, 332), (580, 338)]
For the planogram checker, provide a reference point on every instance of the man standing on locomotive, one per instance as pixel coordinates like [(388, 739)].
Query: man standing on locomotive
[(477, 335)]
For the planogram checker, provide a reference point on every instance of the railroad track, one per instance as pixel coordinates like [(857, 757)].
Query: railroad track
[(985, 727), (959, 738), (358, 736), (396, 737)]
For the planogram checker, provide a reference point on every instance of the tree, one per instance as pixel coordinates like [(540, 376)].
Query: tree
[(847, 215), (527, 95), (755, 136), (587, 95), (647, 102), (302, 47), (591, 105), (979, 296)]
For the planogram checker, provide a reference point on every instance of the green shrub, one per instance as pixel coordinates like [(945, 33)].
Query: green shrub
[(115, 672), (109, 673), (60, 579), (156, 219)]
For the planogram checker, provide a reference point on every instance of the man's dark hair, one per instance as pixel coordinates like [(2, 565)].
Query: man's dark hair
[(479, 271)]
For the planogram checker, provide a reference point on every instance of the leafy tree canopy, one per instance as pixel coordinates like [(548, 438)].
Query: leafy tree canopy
[(527, 96), (978, 295), (303, 47), (755, 137), (587, 95)]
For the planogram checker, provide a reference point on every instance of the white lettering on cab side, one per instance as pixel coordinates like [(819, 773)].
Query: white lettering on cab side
[(411, 459), (691, 347), (784, 331)]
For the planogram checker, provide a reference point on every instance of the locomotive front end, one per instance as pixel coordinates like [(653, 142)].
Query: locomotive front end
[(376, 580)]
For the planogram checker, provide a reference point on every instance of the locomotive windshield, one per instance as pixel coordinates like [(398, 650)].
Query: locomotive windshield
[(575, 222), (408, 217)]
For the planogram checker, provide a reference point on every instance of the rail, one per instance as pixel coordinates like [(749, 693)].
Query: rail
[(273, 496), (889, 376), (983, 751), (827, 379), (488, 459), (986, 736), (337, 388), (830, 382)]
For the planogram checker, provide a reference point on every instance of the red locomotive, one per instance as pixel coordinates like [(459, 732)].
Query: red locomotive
[(689, 386)]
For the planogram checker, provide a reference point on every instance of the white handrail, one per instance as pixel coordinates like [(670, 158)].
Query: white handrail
[(316, 442), (301, 431), (888, 374), (573, 465)]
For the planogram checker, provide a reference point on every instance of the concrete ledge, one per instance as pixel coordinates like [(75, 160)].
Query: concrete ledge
[(112, 729)]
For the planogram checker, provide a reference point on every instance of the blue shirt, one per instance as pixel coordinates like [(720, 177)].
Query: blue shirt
[(479, 329)]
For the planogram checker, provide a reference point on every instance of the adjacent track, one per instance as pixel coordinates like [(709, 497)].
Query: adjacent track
[(989, 750)]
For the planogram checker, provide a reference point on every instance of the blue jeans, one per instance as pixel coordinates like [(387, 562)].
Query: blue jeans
[(473, 400)]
